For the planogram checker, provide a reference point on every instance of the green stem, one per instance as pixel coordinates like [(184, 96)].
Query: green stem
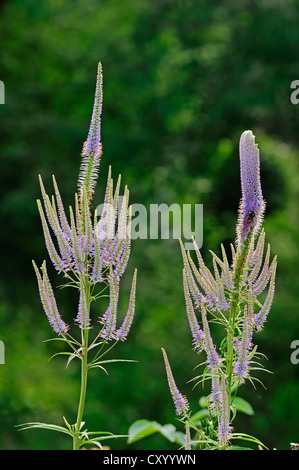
[(230, 349), (241, 258), (76, 444), (84, 370)]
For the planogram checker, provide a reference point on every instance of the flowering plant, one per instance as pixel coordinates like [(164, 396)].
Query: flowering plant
[(228, 297), (92, 253)]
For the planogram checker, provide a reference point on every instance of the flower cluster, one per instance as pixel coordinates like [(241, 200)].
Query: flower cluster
[(88, 249), (228, 294)]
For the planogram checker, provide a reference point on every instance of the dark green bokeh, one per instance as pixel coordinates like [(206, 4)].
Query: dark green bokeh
[(182, 80)]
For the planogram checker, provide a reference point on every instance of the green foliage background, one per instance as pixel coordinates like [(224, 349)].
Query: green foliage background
[(182, 80)]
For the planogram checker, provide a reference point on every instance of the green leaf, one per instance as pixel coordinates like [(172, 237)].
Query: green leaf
[(247, 437), (143, 428), (69, 426), (180, 438), (243, 406), (203, 402), (51, 427), (199, 415), (168, 431), (239, 448), (113, 360)]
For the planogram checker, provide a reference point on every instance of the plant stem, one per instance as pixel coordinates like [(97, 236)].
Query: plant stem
[(84, 370), (230, 349)]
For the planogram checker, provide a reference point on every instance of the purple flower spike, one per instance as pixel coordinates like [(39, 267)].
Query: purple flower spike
[(109, 317), (123, 331), (252, 203), (242, 365), (180, 401), (92, 148), (48, 300), (213, 358), (197, 334), (224, 426), (83, 309), (93, 145)]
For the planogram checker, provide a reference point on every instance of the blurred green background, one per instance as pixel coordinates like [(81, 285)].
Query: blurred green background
[(182, 80)]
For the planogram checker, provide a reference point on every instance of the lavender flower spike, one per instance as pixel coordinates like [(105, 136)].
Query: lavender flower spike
[(109, 317), (213, 358), (123, 331), (242, 364), (82, 318), (197, 334), (92, 148), (252, 203), (180, 402), (224, 426), (48, 300)]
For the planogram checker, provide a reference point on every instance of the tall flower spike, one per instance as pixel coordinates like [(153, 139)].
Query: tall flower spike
[(197, 333), (215, 396), (123, 331), (261, 317), (212, 355), (48, 300), (241, 367), (92, 148), (53, 220), (224, 426), (83, 310), (58, 262), (180, 401), (252, 203), (109, 317)]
